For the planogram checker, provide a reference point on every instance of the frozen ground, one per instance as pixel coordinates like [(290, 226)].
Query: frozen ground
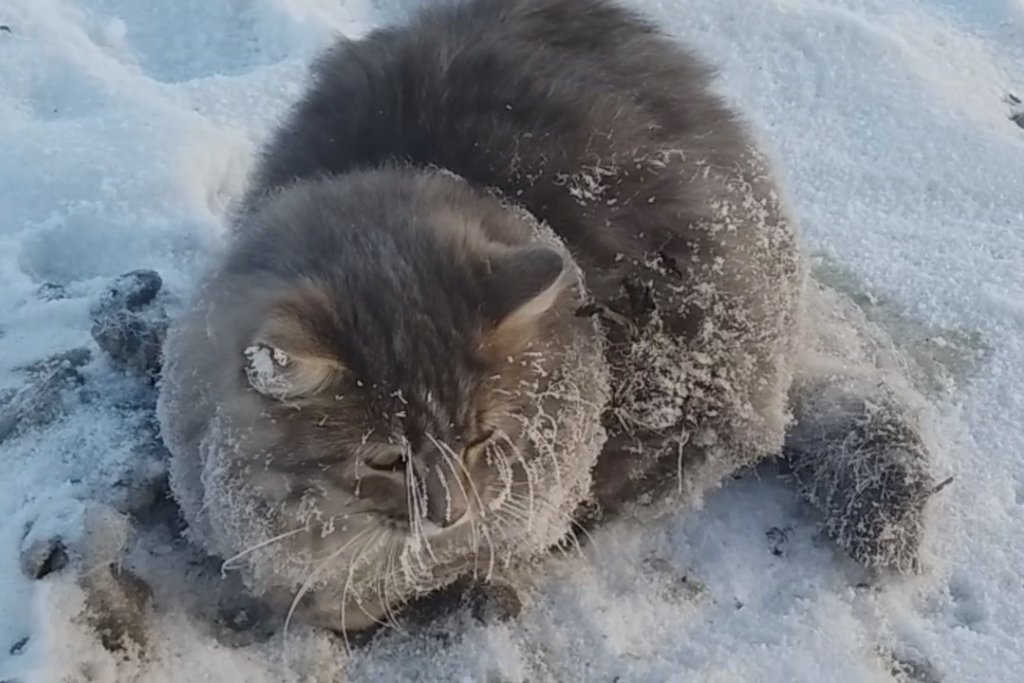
[(126, 128)]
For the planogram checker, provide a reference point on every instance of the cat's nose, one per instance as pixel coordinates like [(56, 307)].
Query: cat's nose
[(442, 487), (446, 497)]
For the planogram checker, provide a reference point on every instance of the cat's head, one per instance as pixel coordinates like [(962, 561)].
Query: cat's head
[(410, 366)]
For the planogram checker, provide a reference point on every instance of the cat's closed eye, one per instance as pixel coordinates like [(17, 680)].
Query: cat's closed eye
[(386, 459), (477, 446), (480, 440)]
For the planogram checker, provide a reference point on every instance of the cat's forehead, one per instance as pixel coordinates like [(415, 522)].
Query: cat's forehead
[(417, 373), (416, 412)]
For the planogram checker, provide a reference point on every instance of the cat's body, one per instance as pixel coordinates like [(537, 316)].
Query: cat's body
[(374, 311), (608, 132), (326, 459)]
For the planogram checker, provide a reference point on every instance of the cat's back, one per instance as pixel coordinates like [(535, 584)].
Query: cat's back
[(570, 107), (607, 130)]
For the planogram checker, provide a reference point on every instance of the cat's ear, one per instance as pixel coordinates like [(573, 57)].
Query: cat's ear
[(289, 358), (521, 285)]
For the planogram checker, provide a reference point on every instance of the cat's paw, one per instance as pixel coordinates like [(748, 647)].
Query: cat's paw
[(863, 463)]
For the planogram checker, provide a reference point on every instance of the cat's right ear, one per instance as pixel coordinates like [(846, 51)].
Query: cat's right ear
[(521, 285), (289, 358)]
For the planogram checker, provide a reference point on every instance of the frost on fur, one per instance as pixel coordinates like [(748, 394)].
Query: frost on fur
[(857, 449), (859, 457), (701, 360), (305, 553), (263, 369)]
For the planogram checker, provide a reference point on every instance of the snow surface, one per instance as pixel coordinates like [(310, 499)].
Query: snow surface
[(127, 127)]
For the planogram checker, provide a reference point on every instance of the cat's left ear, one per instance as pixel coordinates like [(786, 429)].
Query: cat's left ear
[(520, 286)]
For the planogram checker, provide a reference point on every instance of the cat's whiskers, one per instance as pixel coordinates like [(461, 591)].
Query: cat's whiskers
[(518, 516), (484, 521), (309, 583), (451, 459), (374, 537), (500, 522), (416, 502), (530, 427), (389, 577), (373, 542), (564, 516), (506, 473), (228, 564), (563, 546), (526, 469), (574, 525)]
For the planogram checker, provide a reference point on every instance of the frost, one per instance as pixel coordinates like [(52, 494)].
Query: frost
[(263, 370), (859, 457), (589, 185), (888, 123)]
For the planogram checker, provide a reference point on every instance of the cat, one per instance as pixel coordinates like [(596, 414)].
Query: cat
[(507, 268), (366, 395)]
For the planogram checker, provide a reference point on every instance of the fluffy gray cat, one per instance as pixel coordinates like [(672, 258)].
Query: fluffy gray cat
[(507, 268)]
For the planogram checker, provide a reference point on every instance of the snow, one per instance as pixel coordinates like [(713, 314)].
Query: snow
[(127, 128), (262, 369)]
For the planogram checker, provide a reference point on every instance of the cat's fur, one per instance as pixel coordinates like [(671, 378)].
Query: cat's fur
[(375, 311), (412, 318)]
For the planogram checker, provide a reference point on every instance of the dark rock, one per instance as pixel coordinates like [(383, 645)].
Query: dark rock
[(492, 602), (132, 291), (141, 486), (241, 622), (40, 402), (484, 601), (674, 584), (906, 667), (19, 647), (132, 341), (73, 359), (129, 324), (162, 513), (51, 291), (777, 539), (43, 557), (116, 607), (1016, 109)]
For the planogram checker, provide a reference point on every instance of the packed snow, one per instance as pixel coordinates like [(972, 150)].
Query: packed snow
[(126, 131)]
